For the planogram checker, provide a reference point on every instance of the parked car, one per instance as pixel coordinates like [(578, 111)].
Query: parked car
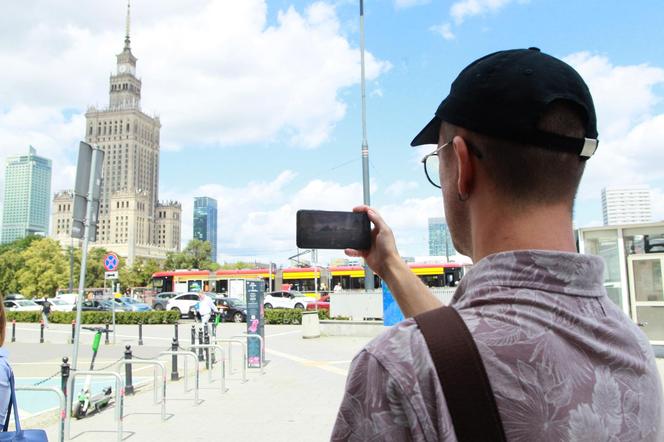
[(160, 301), (14, 297), (286, 299), (57, 305), (132, 304), (69, 298), (108, 306), (182, 303), (22, 305), (93, 306), (233, 309), (322, 304)]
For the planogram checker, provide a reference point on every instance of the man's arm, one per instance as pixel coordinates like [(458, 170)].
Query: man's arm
[(383, 257)]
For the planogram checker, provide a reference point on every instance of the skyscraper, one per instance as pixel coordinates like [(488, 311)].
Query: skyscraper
[(626, 205), (132, 221), (205, 222), (27, 196), (440, 241)]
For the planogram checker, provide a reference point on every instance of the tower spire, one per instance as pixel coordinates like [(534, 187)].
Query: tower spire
[(127, 26)]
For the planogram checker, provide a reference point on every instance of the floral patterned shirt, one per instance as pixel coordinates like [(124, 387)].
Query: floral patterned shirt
[(564, 362)]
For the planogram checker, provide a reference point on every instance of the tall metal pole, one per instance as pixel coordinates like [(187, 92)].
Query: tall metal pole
[(84, 255), (71, 266), (368, 274)]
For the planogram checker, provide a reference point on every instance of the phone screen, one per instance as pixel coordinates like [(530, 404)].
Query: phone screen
[(318, 229)]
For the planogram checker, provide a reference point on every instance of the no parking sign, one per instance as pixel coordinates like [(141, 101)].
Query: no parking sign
[(111, 262)]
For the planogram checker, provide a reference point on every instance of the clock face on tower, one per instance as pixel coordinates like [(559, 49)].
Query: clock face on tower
[(123, 68)]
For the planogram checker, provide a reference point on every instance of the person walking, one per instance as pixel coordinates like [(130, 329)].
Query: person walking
[(559, 360), (206, 307), (46, 310)]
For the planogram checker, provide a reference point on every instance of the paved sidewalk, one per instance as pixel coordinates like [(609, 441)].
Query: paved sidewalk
[(296, 399)]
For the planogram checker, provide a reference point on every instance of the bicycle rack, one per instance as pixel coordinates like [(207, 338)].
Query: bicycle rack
[(223, 363), (63, 404), (156, 364), (119, 396), (186, 373), (261, 343), (230, 355)]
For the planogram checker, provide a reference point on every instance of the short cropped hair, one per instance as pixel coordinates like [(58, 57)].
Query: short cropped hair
[(531, 175)]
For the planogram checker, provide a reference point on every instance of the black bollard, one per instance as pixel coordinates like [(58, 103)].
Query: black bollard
[(64, 374), (210, 351), (140, 333), (193, 335), (129, 388), (174, 364), (206, 340), (73, 331), (177, 336), (200, 341), (14, 330), (41, 331), (214, 325), (106, 331)]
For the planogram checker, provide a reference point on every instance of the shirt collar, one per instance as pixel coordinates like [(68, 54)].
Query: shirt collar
[(552, 271)]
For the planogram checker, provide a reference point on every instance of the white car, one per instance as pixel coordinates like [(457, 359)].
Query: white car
[(182, 303), (286, 299), (22, 305), (57, 305)]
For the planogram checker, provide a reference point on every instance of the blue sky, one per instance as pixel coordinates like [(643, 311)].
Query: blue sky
[(260, 101)]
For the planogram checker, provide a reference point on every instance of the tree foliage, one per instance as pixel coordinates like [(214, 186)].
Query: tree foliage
[(140, 274), (196, 255), (44, 268)]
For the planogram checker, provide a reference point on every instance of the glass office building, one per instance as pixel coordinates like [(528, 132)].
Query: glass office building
[(440, 241), (205, 222), (27, 196)]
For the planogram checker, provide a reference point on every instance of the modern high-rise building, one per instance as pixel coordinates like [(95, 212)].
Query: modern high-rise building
[(27, 196), (205, 222), (132, 221), (440, 241), (626, 205)]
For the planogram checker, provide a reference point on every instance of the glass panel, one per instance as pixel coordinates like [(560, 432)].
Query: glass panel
[(607, 248), (652, 319), (648, 280)]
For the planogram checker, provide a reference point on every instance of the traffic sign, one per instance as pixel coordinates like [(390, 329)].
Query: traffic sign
[(111, 275), (111, 262)]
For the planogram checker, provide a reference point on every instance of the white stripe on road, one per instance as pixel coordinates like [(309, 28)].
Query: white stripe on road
[(323, 365)]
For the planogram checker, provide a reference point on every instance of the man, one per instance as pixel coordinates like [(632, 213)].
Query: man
[(46, 310), (564, 362), (205, 308)]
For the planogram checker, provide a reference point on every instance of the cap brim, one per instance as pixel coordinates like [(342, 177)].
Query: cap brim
[(428, 135)]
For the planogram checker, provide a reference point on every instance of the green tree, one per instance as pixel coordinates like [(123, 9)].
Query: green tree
[(44, 268), (140, 274), (11, 260), (196, 255)]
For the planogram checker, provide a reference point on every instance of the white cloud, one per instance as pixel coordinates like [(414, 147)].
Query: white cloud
[(403, 4), (400, 187), (469, 8), (445, 30), (216, 71)]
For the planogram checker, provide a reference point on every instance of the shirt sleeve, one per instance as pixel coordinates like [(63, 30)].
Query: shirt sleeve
[(373, 407)]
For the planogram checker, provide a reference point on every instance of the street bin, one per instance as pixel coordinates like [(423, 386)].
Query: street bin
[(310, 325)]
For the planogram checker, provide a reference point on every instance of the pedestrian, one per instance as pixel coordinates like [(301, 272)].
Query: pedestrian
[(46, 310), (5, 368), (206, 307), (337, 288), (562, 361)]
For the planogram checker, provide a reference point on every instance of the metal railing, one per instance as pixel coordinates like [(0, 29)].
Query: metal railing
[(155, 387), (63, 405), (261, 344), (186, 373), (229, 353), (119, 396), (214, 347)]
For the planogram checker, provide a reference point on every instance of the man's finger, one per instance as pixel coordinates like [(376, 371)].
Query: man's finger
[(355, 253)]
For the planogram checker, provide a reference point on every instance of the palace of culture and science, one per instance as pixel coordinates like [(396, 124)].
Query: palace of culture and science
[(132, 221)]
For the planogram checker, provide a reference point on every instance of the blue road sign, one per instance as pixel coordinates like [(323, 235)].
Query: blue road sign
[(111, 262)]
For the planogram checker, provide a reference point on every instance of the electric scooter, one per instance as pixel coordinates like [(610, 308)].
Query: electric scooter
[(88, 403)]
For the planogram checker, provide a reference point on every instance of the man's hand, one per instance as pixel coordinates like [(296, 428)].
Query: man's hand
[(383, 251)]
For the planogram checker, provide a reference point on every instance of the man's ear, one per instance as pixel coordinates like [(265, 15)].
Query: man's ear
[(465, 170)]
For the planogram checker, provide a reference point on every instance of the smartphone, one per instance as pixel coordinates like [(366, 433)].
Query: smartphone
[(319, 229)]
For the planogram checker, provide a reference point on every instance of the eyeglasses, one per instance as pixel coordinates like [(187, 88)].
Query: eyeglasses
[(431, 162)]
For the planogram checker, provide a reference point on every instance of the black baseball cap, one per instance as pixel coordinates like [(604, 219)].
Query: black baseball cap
[(504, 94)]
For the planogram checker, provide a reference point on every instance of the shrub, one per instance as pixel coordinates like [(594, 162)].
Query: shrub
[(151, 317), (289, 316)]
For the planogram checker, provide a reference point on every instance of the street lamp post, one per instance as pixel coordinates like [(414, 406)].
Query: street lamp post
[(368, 274)]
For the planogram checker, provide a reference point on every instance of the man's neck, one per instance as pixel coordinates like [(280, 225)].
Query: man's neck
[(500, 230)]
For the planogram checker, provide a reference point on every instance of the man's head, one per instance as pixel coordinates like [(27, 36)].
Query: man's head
[(521, 123)]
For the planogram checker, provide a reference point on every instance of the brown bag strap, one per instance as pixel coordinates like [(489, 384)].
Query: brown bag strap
[(470, 400)]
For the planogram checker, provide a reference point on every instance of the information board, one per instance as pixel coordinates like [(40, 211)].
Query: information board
[(255, 291)]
